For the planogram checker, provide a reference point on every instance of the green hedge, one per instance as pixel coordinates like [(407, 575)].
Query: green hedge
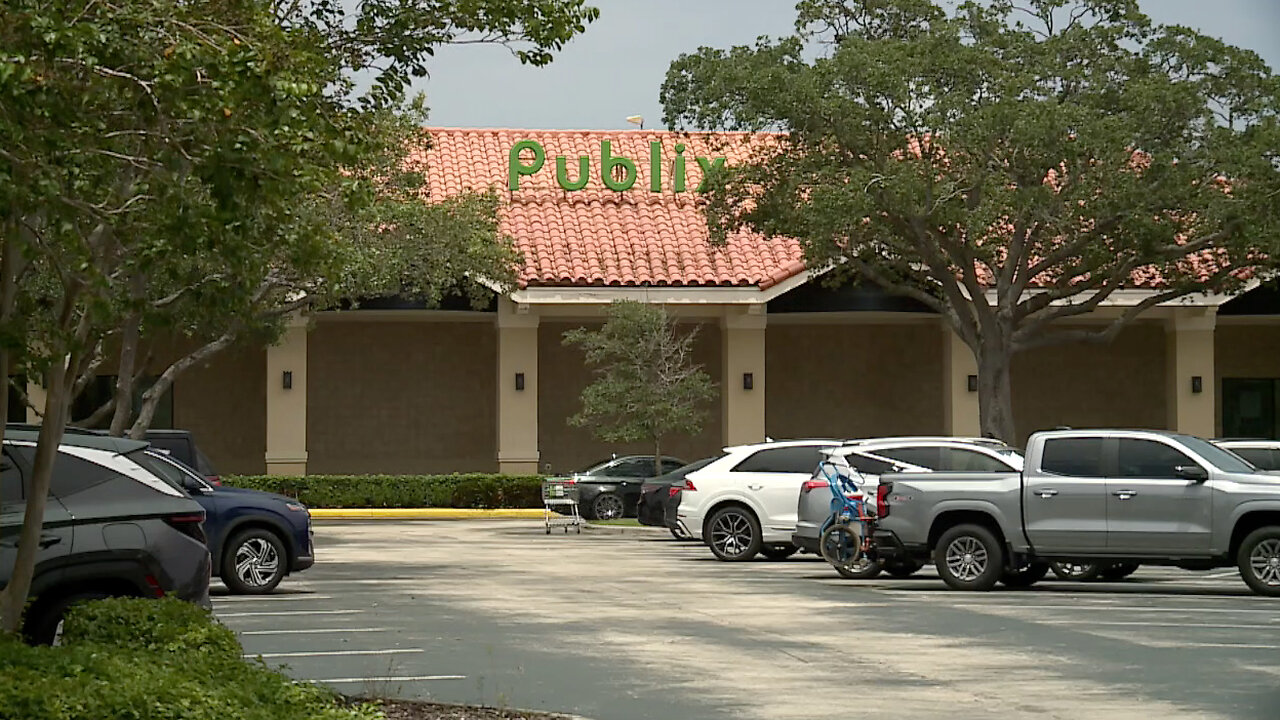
[(474, 490), (133, 658)]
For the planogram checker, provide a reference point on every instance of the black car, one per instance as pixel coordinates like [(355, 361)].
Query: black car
[(610, 489), (181, 444), (110, 529), (656, 492)]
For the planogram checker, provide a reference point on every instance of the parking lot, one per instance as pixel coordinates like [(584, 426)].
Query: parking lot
[(628, 625)]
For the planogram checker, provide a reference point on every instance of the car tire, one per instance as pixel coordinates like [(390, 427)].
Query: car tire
[(43, 625), (1026, 576), (1074, 572), (863, 569), (778, 552), (1259, 560), (969, 557), (1117, 571), (902, 568), (607, 506), (254, 562), (733, 534)]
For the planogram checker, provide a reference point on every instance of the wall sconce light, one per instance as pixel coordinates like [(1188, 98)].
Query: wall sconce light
[(287, 380), (520, 381), (1197, 384), (748, 381), (973, 383)]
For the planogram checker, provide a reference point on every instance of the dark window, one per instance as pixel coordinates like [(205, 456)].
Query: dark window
[(175, 446), (10, 483), (1249, 408), (1080, 457), (163, 469), (1262, 458), (630, 468), (800, 459), (868, 465), (962, 460), (1149, 459), (17, 408), (71, 474), (670, 466), (925, 457), (100, 390)]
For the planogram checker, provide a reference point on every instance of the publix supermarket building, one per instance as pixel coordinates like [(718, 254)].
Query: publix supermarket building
[(394, 388)]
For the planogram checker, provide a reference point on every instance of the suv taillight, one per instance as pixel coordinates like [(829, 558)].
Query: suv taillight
[(882, 499), (191, 525), (214, 480), (813, 485), (688, 485), (673, 491)]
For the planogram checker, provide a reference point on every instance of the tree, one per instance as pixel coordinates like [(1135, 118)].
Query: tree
[(1012, 165), (646, 385)]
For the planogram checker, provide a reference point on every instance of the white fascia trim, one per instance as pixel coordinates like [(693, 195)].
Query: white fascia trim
[(1129, 298), (737, 295)]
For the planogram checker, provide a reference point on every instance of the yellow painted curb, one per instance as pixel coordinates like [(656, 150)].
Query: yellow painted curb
[(424, 514)]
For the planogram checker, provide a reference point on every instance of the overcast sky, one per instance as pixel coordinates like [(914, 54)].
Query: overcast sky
[(616, 68)]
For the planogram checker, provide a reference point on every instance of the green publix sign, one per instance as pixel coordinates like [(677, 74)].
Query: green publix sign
[(609, 165)]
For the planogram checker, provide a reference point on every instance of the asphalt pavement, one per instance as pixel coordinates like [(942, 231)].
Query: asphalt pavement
[(630, 626)]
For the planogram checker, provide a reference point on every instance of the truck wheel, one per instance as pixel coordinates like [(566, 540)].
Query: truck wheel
[(733, 534), (969, 557), (1076, 572), (1118, 571), (1027, 576), (1259, 561)]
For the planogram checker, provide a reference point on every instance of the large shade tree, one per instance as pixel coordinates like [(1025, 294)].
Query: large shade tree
[(1012, 165)]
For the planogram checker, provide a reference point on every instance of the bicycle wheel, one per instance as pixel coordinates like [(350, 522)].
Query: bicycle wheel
[(841, 545)]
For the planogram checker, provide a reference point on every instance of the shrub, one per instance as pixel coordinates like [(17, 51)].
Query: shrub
[(100, 673), (474, 490)]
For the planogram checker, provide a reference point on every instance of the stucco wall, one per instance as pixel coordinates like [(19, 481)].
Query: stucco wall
[(562, 374), (401, 397), (1121, 384), (853, 380), (224, 405)]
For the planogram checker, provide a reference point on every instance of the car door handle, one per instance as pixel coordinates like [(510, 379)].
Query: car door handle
[(755, 487), (1046, 493), (1124, 494)]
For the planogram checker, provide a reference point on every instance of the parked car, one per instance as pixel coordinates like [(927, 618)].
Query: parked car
[(610, 489), (181, 444), (744, 503), (865, 460), (655, 492), (1089, 496), (110, 529), (1262, 454), (255, 538)]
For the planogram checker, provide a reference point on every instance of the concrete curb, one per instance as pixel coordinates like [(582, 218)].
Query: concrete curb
[(425, 514)]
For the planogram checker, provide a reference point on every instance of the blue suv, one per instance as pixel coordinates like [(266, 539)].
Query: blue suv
[(254, 538)]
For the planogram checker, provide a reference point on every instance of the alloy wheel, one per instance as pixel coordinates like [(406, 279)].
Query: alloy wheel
[(1265, 562), (731, 534), (257, 562), (608, 507), (966, 558)]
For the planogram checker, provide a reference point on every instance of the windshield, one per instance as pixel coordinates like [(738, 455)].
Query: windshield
[(596, 467), (1222, 459)]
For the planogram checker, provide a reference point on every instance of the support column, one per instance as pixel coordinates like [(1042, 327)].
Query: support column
[(517, 388), (742, 353), (1190, 403), (287, 401), (960, 405), (35, 399)]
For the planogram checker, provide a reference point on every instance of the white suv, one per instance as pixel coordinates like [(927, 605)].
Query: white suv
[(745, 502)]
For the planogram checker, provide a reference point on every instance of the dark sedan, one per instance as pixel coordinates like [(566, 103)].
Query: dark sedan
[(610, 489), (656, 492)]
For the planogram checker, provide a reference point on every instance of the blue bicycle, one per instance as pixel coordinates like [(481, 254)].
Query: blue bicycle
[(846, 535)]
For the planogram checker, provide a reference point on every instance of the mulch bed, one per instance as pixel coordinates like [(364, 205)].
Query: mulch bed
[(420, 710)]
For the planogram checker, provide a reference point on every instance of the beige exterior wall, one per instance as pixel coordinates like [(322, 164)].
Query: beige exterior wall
[(854, 380), (961, 416), (1121, 384), (287, 406), (742, 352), (562, 375), (1189, 354), (224, 404), (407, 396), (517, 404)]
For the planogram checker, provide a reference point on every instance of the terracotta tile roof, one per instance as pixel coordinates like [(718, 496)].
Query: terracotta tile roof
[(598, 236)]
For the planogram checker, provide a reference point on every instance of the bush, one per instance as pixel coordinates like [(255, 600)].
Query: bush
[(475, 490), (101, 673)]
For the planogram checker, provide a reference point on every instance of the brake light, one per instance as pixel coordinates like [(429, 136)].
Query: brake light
[(673, 491), (688, 485), (214, 480), (882, 499), (154, 586), (191, 525), (813, 485)]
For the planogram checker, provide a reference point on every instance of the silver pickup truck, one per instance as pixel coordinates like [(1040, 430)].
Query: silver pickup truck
[(1097, 496)]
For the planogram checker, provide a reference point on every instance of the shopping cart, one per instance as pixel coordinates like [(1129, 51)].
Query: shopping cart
[(560, 504)]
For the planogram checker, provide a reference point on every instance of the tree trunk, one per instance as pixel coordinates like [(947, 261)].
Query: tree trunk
[(151, 398), (124, 374), (657, 456), (995, 393)]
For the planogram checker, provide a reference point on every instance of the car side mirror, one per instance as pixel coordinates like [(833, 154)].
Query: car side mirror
[(1194, 473)]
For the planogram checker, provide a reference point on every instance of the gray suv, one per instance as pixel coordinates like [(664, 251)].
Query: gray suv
[(110, 529)]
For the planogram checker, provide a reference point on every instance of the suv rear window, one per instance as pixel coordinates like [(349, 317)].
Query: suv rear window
[(71, 474), (1078, 457), (1261, 458), (797, 459)]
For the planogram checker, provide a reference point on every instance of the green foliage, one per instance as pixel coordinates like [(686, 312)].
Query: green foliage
[(1010, 164), (646, 385), (138, 658), (472, 490)]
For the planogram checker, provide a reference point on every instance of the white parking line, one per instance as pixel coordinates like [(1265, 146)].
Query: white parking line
[(1121, 608), (305, 631), (1135, 623), (288, 612), (395, 678), (327, 653), (255, 598)]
